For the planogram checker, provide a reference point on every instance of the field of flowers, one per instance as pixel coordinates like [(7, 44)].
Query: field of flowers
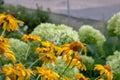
[(57, 52)]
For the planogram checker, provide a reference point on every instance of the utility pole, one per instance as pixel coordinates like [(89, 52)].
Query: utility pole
[(68, 11)]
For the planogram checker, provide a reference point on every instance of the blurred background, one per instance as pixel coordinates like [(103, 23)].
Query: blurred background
[(70, 12)]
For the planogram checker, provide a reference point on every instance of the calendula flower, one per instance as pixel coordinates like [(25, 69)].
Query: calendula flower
[(30, 37), (46, 52), (5, 51), (77, 61), (80, 76), (104, 70), (15, 72), (46, 73), (9, 23), (22, 72), (8, 71), (4, 40), (73, 48)]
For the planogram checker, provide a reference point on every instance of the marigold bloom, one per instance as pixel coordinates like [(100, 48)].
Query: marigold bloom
[(5, 51), (4, 40), (16, 71), (46, 73), (9, 23), (77, 61), (73, 48), (8, 71), (46, 52), (22, 72), (80, 76), (104, 70), (30, 37)]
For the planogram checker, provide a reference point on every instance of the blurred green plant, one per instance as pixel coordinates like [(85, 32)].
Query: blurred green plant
[(114, 62), (89, 35)]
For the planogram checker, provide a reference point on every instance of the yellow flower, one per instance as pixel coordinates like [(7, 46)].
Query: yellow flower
[(104, 70), (5, 51), (73, 48), (46, 73), (10, 55), (8, 71), (30, 37), (66, 78), (9, 23), (4, 40), (16, 71), (101, 79), (80, 76), (21, 72), (46, 52), (77, 61)]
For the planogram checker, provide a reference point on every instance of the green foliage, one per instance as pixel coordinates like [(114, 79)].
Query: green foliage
[(114, 62), (59, 35), (31, 18), (113, 25)]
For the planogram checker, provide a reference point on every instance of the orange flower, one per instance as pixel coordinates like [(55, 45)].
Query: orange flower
[(104, 70), (17, 71), (46, 52), (9, 23), (77, 61), (73, 48), (46, 73), (30, 37), (5, 51)]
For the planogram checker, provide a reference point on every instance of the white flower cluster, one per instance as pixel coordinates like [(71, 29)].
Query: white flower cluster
[(19, 48), (90, 35), (114, 25), (60, 66), (59, 35), (114, 62)]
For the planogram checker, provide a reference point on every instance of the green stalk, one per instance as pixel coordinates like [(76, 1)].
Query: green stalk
[(3, 32), (33, 63), (65, 69), (26, 54)]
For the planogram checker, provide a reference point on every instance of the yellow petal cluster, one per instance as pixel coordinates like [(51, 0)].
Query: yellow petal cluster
[(30, 38), (80, 76), (104, 70), (17, 71), (46, 52), (9, 23), (46, 73), (72, 48), (77, 61), (4, 49)]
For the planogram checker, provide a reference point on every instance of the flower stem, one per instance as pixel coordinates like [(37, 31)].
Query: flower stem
[(38, 77), (98, 77), (65, 69), (3, 32), (26, 55), (33, 63)]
